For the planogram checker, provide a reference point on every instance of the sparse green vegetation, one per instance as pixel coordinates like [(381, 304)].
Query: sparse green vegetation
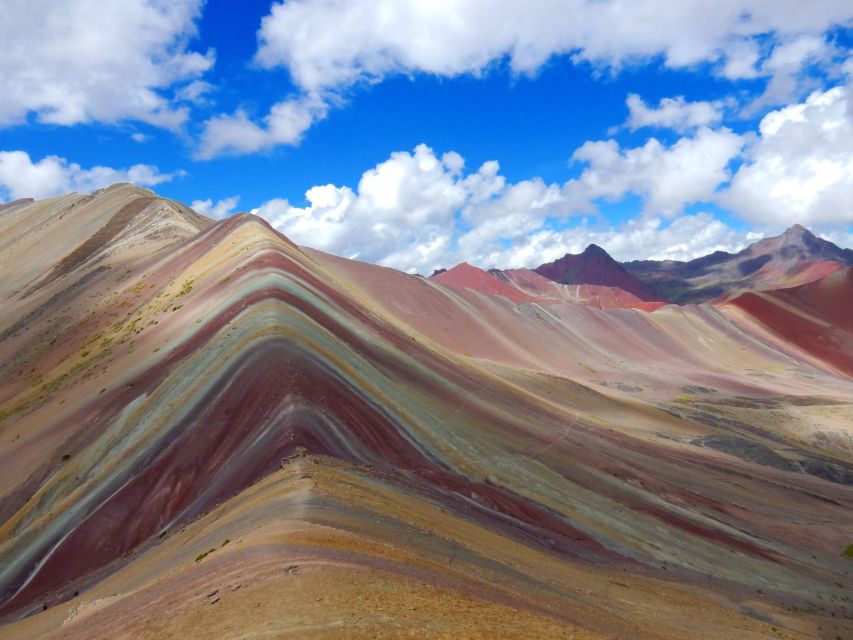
[(186, 287), (848, 552), (203, 555)]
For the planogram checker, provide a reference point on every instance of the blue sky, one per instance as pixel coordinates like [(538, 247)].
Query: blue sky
[(652, 131)]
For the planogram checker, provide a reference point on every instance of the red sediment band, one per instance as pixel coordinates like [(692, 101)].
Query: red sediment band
[(829, 344), (275, 400)]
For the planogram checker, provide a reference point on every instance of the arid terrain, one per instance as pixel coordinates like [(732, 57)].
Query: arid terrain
[(207, 431)]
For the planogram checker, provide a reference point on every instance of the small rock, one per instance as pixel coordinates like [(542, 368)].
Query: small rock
[(214, 601), (213, 593)]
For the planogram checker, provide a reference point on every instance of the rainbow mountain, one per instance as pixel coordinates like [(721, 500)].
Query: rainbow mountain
[(208, 431)]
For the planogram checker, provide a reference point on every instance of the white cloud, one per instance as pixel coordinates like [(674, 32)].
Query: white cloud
[(20, 177), (73, 61), (332, 43), (417, 212), (286, 122), (401, 215), (799, 169), (666, 178), (139, 137), (195, 92), (673, 113), (741, 61), (328, 46), (786, 67), (221, 209)]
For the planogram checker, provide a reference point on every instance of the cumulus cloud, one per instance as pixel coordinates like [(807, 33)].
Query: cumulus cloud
[(73, 61), (20, 177), (666, 178), (418, 212), (401, 215), (799, 169), (329, 46), (673, 113), (221, 209)]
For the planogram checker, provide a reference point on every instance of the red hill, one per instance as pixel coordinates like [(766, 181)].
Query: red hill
[(466, 276)]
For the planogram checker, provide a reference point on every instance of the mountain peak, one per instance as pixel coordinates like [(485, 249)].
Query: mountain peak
[(796, 234), (465, 267), (467, 276), (594, 249), (596, 266)]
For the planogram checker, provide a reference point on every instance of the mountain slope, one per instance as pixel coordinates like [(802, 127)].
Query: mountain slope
[(816, 317), (595, 266), (795, 257), (599, 296), (524, 285), (44, 241), (234, 435)]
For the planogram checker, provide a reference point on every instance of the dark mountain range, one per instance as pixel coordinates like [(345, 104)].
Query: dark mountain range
[(793, 258)]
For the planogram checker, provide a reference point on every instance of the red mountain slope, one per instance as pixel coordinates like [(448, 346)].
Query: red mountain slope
[(466, 276), (816, 317)]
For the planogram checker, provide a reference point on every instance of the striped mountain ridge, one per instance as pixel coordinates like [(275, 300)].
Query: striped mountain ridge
[(208, 431)]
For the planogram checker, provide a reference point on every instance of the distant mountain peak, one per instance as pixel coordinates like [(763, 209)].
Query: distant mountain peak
[(797, 241), (594, 249), (794, 257), (797, 234), (596, 266)]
